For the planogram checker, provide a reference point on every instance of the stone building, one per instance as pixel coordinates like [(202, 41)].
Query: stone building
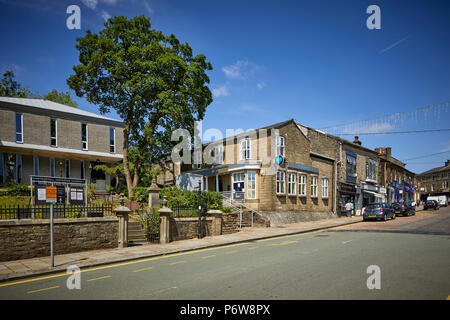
[(434, 182), (274, 168), (356, 169), (400, 183), (40, 137)]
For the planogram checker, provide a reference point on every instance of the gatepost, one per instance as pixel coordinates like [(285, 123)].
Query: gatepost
[(122, 213), (216, 228), (153, 195), (164, 227)]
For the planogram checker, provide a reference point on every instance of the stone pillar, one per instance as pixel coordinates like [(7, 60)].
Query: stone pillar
[(153, 195), (122, 213), (216, 227), (164, 227)]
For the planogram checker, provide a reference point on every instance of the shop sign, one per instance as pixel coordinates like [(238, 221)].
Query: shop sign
[(293, 165)]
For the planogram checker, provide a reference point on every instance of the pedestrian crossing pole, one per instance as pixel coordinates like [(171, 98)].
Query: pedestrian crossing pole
[(50, 197)]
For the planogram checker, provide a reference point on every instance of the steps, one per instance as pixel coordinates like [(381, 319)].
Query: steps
[(136, 233)]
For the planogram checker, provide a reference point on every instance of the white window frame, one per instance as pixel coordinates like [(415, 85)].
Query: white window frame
[(218, 154), (313, 186), (281, 144), (245, 149), (302, 184), (87, 135), (281, 182), (21, 127), (197, 163), (114, 140), (35, 163), (292, 183), (251, 185), (325, 187), (56, 132)]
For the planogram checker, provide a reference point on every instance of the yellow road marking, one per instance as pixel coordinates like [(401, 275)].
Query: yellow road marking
[(43, 289), (167, 256), (143, 269), (251, 248), (207, 257), (123, 264), (99, 278), (284, 243), (231, 252), (178, 262)]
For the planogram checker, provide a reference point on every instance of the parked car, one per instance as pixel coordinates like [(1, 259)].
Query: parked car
[(404, 208), (442, 200), (431, 204), (379, 211)]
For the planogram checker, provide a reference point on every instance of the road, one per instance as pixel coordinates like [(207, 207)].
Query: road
[(412, 253)]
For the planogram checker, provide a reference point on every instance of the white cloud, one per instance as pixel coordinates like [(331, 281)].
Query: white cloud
[(221, 91), (147, 6), (110, 2), (92, 4), (235, 71), (260, 85), (105, 15)]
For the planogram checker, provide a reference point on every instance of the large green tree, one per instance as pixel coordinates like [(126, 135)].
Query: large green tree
[(60, 97), (11, 88), (153, 82)]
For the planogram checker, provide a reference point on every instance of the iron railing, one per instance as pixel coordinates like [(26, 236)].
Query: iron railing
[(59, 211)]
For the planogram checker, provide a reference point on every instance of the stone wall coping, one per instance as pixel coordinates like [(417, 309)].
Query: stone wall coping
[(23, 222)]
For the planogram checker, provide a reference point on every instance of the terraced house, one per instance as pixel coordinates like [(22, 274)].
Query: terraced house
[(40, 137), (435, 182)]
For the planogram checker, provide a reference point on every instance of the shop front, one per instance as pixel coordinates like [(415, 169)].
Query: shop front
[(346, 193)]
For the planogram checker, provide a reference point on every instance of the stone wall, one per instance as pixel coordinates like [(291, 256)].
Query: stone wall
[(187, 228), (23, 239)]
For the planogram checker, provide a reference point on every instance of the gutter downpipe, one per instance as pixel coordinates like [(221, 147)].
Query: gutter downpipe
[(336, 177)]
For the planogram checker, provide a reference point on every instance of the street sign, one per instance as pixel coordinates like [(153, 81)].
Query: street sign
[(51, 194)]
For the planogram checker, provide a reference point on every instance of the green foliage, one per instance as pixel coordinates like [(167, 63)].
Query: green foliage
[(11, 88), (14, 201), (154, 83), (185, 198), (140, 194), (227, 209), (14, 189), (60, 97)]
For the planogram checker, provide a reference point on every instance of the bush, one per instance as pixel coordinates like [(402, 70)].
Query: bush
[(140, 194), (185, 198), (227, 209), (14, 189)]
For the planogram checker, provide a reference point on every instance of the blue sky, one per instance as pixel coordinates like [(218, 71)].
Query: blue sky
[(314, 61)]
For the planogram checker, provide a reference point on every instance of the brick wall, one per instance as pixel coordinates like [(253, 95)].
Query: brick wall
[(25, 239)]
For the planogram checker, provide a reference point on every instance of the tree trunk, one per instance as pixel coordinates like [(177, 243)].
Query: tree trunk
[(126, 169)]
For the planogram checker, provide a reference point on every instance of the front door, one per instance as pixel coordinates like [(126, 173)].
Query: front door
[(238, 186)]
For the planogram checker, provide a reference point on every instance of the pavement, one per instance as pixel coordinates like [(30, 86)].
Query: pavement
[(19, 269)]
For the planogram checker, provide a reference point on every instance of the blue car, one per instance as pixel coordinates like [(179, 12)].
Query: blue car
[(379, 211)]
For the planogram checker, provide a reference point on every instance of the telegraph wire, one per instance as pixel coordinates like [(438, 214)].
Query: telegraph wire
[(428, 155)]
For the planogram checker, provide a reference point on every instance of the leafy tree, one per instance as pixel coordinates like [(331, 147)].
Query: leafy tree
[(60, 97), (11, 88), (153, 81)]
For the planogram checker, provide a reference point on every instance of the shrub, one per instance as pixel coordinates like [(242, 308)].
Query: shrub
[(140, 194), (227, 209), (14, 189), (185, 198)]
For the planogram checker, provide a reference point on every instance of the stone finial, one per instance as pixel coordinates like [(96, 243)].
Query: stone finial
[(153, 187)]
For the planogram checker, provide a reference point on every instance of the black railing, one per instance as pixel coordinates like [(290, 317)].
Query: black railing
[(185, 211), (59, 211)]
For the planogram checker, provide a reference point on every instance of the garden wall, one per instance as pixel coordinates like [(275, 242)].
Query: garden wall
[(23, 239)]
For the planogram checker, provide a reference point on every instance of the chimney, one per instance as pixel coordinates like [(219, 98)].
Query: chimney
[(447, 163), (357, 140), (388, 152)]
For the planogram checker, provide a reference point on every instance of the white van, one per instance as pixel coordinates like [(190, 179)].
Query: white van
[(442, 200)]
